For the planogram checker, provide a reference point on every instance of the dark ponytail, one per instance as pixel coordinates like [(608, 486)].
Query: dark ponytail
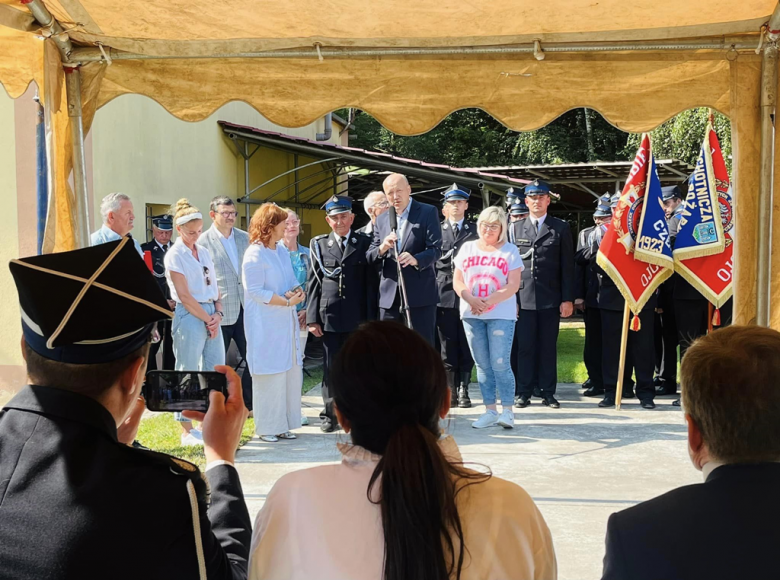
[(390, 385)]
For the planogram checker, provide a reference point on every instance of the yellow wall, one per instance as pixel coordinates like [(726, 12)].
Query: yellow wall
[(138, 148), (10, 326)]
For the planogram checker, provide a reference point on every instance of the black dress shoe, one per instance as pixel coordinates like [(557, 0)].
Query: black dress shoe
[(648, 404), (463, 397), (587, 384), (328, 427), (657, 381), (676, 403), (594, 392), (538, 393), (522, 402), (550, 401), (666, 388), (607, 402)]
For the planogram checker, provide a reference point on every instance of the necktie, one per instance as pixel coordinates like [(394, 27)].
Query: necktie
[(455, 229), (343, 245), (536, 226)]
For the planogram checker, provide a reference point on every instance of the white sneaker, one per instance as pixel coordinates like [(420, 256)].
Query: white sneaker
[(189, 440), (197, 433), (489, 419), (507, 419), (304, 419)]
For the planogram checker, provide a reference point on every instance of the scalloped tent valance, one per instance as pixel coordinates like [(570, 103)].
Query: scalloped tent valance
[(634, 88)]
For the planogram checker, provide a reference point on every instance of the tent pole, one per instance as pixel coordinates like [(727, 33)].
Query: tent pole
[(768, 104), (81, 194)]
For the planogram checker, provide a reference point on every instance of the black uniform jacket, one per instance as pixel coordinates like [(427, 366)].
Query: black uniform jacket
[(341, 303), (586, 281), (422, 239), (548, 277), (445, 268), (77, 504), (158, 264), (723, 529), (680, 288)]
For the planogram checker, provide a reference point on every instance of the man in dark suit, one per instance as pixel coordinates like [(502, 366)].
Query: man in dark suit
[(418, 246), (726, 527), (587, 290), (546, 294), (162, 228), (338, 290), (78, 500), (456, 230)]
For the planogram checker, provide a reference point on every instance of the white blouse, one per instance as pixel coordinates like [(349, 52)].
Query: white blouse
[(318, 523), (200, 274), (271, 331)]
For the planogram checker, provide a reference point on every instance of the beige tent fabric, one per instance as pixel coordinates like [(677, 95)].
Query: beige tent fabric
[(21, 60), (635, 92), (208, 27), (746, 145)]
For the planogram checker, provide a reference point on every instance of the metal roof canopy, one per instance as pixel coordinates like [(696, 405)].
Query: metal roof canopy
[(346, 163)]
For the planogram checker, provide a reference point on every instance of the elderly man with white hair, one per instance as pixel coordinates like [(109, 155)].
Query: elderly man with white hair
[(118, 218), (375, 204)]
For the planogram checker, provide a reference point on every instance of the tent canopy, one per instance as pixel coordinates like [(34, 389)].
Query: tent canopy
[(410, 64)]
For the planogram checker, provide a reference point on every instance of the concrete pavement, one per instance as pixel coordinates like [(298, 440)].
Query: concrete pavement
[(579, 463)]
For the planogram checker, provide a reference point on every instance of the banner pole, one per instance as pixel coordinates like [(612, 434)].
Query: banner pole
[(622, 365)]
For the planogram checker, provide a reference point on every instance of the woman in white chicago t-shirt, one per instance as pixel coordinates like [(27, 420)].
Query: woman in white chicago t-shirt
[(487, 278)]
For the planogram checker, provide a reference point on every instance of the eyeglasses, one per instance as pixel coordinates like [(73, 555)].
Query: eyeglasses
[(382, 204), (228, 214), (490, 227), (206, 274)]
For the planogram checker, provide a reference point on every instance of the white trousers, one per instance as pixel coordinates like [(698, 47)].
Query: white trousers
[(276, 400)]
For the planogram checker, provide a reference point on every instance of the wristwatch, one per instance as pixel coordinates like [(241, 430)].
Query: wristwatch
[(222, 314), (288, 302)]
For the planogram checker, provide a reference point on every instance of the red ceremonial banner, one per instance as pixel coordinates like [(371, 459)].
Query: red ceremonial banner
[(636, 280), (712, 275)]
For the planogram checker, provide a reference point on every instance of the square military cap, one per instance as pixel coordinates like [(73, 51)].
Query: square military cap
[(519, 208), (337, 204), (455, 192), (513, 196), (163, 222), (88, 306), (537, 187), (670, 192)]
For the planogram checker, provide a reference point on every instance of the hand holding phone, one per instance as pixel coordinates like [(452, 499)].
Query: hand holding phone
[(182, 390)]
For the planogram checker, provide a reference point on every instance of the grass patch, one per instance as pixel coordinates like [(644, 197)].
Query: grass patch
[(161, 433)]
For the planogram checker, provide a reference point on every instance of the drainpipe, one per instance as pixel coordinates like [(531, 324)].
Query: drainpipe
[(328, 128)]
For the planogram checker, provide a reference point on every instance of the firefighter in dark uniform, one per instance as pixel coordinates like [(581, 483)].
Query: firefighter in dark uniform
[(78, 500), (517, 211), (338, 289), (640, 343), (455, 231), (587, 285), (546, 294), (162, 228), (666, 335)]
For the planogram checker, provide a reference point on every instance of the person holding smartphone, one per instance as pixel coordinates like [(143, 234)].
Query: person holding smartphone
[(274, 353), (197, 334)]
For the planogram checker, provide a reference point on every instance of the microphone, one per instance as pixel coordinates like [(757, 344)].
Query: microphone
[(393, 219)]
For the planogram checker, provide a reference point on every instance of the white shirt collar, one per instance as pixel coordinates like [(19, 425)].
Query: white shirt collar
[(232, 235), (709, 467), (163, 246), (339, 238), (539, 220), (459, 223)]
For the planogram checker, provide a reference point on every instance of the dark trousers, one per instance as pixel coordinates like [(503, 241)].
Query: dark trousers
[(665, 328), (455, 351), (166, 340), (331, 344), (592, 352), (692, 321), (235, 332), (423, 319), (537, 351), (639, 352)]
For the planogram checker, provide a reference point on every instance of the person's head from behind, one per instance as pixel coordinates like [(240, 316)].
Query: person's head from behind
[(223, 212), (268, 225), (731, 396), (390, 390), (375, 204), (117, 212), (188, 221), (491, 225)]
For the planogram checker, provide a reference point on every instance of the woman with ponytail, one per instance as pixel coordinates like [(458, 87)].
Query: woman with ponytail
[(401, 505)]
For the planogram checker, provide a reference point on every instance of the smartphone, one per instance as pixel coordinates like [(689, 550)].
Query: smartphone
[(182, 390)]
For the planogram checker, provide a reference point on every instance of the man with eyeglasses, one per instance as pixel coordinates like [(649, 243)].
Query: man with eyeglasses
[(546, 294), (226, 245)]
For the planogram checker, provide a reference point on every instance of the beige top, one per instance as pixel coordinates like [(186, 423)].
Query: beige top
[(318, 523)]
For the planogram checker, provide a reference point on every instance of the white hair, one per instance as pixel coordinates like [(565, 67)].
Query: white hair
[(371, 199), (493, 215), (112, 202)]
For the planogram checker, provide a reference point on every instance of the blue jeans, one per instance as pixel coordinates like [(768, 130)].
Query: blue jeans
[(193, 348), (490, 342)]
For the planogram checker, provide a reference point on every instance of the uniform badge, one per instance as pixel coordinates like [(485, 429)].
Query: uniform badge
[(354, 241), (445, 227), (466, 227), (330, 243)]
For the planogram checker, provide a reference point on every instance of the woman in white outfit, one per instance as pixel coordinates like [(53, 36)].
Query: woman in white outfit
[(274, 355)]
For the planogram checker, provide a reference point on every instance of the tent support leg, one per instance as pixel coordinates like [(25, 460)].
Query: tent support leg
[(764, 257), (81, 194)]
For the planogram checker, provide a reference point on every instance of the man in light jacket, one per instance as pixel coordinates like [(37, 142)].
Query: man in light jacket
[(226, 245)]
